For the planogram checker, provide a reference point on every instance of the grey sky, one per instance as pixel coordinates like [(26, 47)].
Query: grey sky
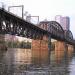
[(47, 9)]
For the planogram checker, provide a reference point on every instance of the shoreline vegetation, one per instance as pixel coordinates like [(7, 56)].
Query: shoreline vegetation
[(11, 44)]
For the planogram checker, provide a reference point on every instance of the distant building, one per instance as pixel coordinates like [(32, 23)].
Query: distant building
[(63, 21)]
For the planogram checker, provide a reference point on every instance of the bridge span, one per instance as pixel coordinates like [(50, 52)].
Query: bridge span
[(14, 25)]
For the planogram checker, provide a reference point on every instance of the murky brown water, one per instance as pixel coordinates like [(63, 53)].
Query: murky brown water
[(19, 62)]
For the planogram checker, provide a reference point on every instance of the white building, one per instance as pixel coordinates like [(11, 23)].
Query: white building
[(63, 21)]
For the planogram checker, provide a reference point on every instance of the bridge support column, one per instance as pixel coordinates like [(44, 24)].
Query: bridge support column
[(60, 49), (40, 52), (70, 50), (49, 48)]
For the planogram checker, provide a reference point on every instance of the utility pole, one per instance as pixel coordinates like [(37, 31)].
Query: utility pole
[(36, 17), (2, 5), (22, 6)]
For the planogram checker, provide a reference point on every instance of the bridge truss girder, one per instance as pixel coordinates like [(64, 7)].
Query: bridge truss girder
[(9, 24)]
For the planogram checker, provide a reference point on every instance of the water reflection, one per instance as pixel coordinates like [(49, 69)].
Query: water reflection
[(72, 66), (19, 62), (22, 56)]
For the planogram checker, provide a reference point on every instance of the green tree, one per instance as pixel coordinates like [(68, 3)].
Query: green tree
[(28, 45), (22, 44)]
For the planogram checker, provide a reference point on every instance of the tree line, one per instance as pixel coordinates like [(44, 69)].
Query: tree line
[(17, 44)]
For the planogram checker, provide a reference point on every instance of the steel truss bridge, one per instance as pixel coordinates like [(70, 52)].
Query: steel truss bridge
[(14, 25)]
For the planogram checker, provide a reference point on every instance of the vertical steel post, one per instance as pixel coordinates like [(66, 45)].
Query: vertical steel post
[(22, 11)]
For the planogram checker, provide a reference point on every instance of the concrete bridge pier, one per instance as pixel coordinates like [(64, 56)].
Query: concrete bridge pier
[(70, 50), (41, 51), (49, 48), (60, 50), (63, 50)]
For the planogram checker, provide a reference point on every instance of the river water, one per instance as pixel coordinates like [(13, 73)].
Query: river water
[(19, 62)]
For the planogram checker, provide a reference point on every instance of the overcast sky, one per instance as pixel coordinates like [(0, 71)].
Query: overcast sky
[(47, 9)]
